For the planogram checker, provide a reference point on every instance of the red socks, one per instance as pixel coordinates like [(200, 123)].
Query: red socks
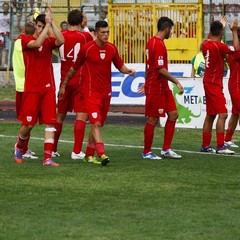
[(169, 130), (229, 134), (100, 148), (79, 132), (90, 151), (148, 137), (57, 133), (206, 139)]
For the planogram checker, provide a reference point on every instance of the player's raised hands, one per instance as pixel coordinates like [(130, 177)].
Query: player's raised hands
[(48, 17), (234, 25), (224, 21)]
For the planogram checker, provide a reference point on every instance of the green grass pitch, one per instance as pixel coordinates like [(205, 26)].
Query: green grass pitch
[(196, 197)]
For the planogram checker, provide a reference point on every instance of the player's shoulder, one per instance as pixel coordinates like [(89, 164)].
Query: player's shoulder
[(155, 41), (111, 47), (109, 44), (150, 40), (27, 38), (71, 32), (86, 34), (89, 45)]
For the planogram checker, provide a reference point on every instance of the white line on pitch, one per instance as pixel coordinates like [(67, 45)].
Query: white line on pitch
[(130, 146)]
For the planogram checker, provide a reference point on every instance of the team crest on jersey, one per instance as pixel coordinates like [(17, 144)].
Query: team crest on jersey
[(94, 115), (160, 111), (102, 54), (29, 118)]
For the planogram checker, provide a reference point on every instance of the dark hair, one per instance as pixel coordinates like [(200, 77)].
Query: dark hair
[(100, 24), (216, 28), (75, 17), (5, 3), (163, 23), (41, 18), (63, 22), (91, 29)]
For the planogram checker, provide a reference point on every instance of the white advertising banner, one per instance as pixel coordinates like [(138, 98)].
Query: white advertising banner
[(191, 104)]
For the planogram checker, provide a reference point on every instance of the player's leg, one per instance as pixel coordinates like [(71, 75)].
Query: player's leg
[(48, 118), (220, 127), (58, 126), (22, 142), (233, 121), (232, 124), (48, 145), (79, 132), (152, 112), (90, 151), (79, 125), (148, 138), (97, 111), (207, 134), (29, 117), (27, 153), (63, 106), (169, 129)]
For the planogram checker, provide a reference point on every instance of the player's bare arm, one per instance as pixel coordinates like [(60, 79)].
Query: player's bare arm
[(58, 35), (39, 41), (84, 25), (68, 77), (234, 29), (164, 72), (56, 32), (43, 30), (124, 69)]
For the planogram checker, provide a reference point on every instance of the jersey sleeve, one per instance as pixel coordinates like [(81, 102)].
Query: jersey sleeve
[(159, 52), (225, 49), (117, 60), (25, 40), (237, 55)]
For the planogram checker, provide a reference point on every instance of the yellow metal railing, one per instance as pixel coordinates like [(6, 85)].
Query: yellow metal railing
[(131, 25)]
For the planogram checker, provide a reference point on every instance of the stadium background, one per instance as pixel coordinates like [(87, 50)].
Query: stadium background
[(132, 22)]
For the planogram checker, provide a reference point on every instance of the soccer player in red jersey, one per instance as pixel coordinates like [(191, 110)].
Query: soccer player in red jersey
[(39, 102), (214, 52), (159, 97), (19, 77), (97, 57), (234, 90), (73, 97)]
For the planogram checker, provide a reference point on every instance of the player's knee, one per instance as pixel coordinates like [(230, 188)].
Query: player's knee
[(223, 116), (173, 116), (97, 125), (29, 127), (153, 120)]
